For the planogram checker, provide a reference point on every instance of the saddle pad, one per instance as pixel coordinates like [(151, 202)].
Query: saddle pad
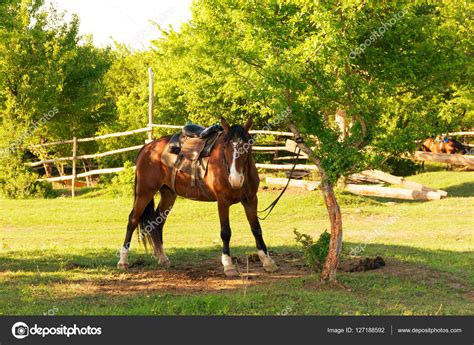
[(192, 148)]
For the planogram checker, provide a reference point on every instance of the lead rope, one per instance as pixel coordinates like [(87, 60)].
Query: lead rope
[(273, 204)]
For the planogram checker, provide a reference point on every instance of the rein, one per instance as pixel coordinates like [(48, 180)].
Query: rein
[(270, 207)]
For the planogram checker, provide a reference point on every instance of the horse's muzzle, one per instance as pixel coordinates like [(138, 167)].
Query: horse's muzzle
[(236, 181)]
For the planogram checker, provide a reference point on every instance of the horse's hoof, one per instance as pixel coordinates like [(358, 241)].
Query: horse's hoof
[(122, 266), (270, 267), (267, 262), (165, 263), (231, 272)]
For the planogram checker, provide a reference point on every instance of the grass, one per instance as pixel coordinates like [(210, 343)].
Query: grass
[(431, 243)]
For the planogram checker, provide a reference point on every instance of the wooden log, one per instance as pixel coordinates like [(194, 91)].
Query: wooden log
[(396, 193), (360, 178), (286, 166), (308, 185), (398, 180), (454, 159)]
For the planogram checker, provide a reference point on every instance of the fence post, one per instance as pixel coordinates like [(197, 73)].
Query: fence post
[(74, 155), (150, 104)]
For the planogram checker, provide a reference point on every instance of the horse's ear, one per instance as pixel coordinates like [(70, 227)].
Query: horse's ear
[(225, 124), (248, 124)]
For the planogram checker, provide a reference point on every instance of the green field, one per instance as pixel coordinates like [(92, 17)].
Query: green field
[(59, 256)]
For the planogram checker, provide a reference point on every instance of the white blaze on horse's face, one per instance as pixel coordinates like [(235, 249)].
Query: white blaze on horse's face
[(236, 177)]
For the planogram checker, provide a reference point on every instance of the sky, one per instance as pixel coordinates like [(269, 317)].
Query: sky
[(125, 21)]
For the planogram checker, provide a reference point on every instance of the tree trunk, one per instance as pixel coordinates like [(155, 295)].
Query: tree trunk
[(335, 246)]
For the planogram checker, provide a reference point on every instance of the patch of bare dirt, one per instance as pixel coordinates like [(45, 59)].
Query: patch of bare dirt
[(205, 276)]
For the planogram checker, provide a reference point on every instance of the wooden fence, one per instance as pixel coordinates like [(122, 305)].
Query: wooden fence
[(75, 141), (289, 147)]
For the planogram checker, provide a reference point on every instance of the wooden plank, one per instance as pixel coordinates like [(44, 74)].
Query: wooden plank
[(105, 136), (292, 146), (286, 166), (289, 158), (97, 155), (86, 174), (461, 133), (308, 185), (269, 148), (150, 103), (263, 132), (167, 126), (398, 180), (396, 193), (454, 159), (74, 158)]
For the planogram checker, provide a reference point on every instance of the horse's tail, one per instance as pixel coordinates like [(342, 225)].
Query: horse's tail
[(459, 146), (147, 219)]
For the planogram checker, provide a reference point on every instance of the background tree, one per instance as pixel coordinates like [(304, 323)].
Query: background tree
[(47, 68), (237, 58)]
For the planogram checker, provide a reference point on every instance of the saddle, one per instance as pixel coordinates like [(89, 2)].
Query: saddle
[(189, 151)]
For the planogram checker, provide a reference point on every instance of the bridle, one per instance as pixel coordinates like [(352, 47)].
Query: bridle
[(272, 205), (234, 154)]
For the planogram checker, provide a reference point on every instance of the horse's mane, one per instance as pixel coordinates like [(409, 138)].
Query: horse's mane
[(237, 131)]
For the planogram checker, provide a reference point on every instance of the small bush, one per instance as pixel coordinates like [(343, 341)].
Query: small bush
[(315, 253), (123, 183), (402, 167), (18, 182)]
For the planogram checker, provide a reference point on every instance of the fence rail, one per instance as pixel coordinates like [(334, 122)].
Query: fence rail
[(83, 140)]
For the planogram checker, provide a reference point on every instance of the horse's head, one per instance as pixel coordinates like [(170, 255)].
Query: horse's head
[(237, 148), (455, 145)]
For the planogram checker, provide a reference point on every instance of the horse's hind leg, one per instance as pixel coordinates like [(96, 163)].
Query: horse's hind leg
[(141, 202), (168, 198), (250, 207)]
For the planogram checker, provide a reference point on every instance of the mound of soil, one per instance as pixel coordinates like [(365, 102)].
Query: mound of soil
[(362, 264)]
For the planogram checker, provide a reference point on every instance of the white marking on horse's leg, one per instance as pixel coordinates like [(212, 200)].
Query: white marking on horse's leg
[(162, 258), (268, 264), (229, 268), (236, 179), (123, 262)]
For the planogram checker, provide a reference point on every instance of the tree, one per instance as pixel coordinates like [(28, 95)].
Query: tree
[(50, 88), (295, 57), (51, 79)]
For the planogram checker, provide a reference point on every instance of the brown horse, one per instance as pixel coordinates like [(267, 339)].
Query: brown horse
[(443, 145), (231, 178)]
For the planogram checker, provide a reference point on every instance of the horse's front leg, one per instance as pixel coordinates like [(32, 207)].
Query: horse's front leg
[(229, 268), (251, 207)]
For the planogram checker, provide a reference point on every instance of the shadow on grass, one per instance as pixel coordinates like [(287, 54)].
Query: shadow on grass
[(373, 292), (458, 263), (465, 189)]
